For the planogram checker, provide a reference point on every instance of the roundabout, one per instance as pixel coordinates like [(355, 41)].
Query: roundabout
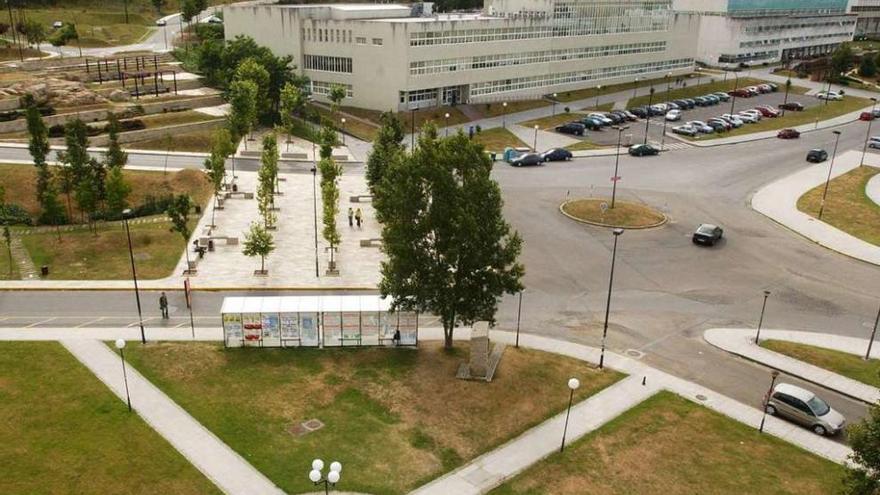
[(624, 215)]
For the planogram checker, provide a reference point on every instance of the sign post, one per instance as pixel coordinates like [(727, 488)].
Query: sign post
[(188, 294)]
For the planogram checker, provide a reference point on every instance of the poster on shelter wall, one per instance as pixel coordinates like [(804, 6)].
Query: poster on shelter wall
[(332, 325), (309, 328), (289, 326), (270, 326), (408, 323), (232, 325), (351, 326), (253, 326)]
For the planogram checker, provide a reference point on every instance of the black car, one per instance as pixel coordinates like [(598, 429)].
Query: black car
[(527, 159), (817, 155), (556, 155), (643, 150), (575, 128), (701, 102), (708, 234), (793, 106), (640, 112), (615, 118), (691, 102), (683, 104), (591, 123)]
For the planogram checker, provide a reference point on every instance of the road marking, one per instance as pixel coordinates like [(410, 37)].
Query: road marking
[(40, 322), (89, 322)]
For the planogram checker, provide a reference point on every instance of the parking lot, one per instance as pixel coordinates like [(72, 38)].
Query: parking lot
[(636, 132)]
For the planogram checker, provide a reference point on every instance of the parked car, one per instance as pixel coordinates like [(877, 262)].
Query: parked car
[(575, 128), (687, 130), (614, 118), (741, 93), (691, 103), (748, 118), (629, 115), (556, 155), (643, 150), (161, 22), (707, 234), (671, 105), (773, 86), (591, 123), (701, 102), (767, 111), (874, 142), (713, 100), (765, 88), (721, 96), (829, 95), (817, 155), (718, 125), (788, 134), (527, 159), (640, 112), (866, 116), (701, 127), (753, 90), (754, 113), (663, 107), (793, 106), (683, 104), (673, 115), (601, 118), (734, 120), (804, 407)]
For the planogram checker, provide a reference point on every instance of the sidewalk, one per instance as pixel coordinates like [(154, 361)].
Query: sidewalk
[(778, 200), (741, 341), (872, 189), (225, 468)]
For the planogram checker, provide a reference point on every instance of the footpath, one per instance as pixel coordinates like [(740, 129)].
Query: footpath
[(235, 476), (778, 201), (741, 341)]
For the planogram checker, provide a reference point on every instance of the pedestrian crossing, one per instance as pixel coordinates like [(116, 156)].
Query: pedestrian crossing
[(669, 145)]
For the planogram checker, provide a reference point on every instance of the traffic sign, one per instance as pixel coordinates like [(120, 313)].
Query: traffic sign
[(615, 179)]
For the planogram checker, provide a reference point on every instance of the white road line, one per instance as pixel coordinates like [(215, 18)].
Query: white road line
[(89, 322), (39, 322)]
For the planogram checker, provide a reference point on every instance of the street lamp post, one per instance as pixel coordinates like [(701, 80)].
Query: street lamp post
[(635, 86), (868, 133), (761, 319), (668, 82), (343, 130), (120, 344), (446, 116), (315, 210), (733, 93), (648, 116), (535, 147), (873, 334), (573, 384), (614, 179), (137, 295), (828, 179), (787, 88), (504, 114), (519, 315), (617, 233), (598, 90), (773, 375), (555, 101), (317, 477)]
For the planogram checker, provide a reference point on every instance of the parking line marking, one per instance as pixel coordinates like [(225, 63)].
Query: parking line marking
[(89, 322), (41, 322)]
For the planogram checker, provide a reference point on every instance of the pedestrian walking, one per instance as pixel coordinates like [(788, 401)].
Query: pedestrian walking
[(350, 216), (359, 217), (163, 306)]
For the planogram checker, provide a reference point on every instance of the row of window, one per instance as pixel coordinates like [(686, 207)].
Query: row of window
[(326, 35), (327, 64), (801, 26), (843, 35), (545, 80), (323, 88), (492, 61), (746, 57), (556, 28)]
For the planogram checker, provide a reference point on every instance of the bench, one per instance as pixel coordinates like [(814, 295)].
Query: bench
[(294, 156), (244, 195), (339, 158), (360, 198), (368, 243)]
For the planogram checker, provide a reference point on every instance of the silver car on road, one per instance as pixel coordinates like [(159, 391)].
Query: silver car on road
[(806, 408)]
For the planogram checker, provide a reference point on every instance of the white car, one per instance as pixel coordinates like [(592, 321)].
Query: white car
[(701, 126), (685, 130), (874, 142), (56, 24), (829, 95), (673, 115), (748, 118), (601, 118), (758, 115), (161, 22), (734, 120), (663, 107)]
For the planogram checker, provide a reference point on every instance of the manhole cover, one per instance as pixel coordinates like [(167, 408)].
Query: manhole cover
[(701, 397), (635, 353), (305, 427)]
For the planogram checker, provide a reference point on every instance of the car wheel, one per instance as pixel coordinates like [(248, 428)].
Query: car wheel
[(770, 410), (819, 430)]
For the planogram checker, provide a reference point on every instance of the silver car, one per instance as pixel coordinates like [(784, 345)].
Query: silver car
[(806, 408)]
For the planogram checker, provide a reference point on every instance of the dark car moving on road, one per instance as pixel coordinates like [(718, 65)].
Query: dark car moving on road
[(643, 150), (575, 128), (788, 134), (817, 155), (708, 234), (556, 155), (527, 159)]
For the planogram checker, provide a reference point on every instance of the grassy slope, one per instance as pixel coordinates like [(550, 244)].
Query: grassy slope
[(394, 418), (196, 141), (846, 205), (668, 445), (843, 363), (63, 431), (498, 138)]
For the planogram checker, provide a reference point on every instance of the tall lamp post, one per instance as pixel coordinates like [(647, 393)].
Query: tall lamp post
[(555, 101), (504, 115), (635, 86), (598, 90), (573, 384), (761, 319), (315, 210), (733, 93), (446, 116), (617, 233), (773, 375), (343, 130), (120, 344), (614, 179), (535, 147), (870, 341), (787, 89), (317, 477), (648, 116), (868, 133), (828, 179), (137, 295)]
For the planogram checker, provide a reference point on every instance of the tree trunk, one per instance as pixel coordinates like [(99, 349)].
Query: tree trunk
[(447, 337), (262, 263), (213, 210)]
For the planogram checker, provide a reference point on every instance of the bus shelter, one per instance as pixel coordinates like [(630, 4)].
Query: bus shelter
[(316, 321)]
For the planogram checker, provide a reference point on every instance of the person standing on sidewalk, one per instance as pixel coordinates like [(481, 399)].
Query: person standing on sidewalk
[(350, 216), (359, 217), (163, 306)]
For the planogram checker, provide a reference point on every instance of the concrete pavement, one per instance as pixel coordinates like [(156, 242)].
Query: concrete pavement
[(778, 201), (872, 189), (741, 341)]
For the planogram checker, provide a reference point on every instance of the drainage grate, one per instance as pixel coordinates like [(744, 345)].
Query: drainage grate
[(635, 353), (305, 427), (701, 397)]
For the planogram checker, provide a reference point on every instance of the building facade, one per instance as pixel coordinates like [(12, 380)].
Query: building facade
[(868, 12), (398, 57), (752, 32)]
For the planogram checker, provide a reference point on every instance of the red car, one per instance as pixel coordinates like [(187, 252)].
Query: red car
[(788, 134), (866, 116), (767, 111), (740, 93)]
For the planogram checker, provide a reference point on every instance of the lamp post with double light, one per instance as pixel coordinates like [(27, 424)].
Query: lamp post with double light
[(317, 477), (615, 178), (828, 179), (868, 133), (120, 344), (137, 295), (617, 233)]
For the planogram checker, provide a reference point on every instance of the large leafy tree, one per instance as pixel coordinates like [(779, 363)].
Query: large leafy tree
[(243, 109), (387, 147), (863, 475), (251, 70), (76, 164), (449, 250), (117, 192), (38, 146), (841, 61)]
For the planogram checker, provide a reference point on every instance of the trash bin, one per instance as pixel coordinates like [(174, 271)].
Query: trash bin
[(44, 270), (198, 209), (492, 155), (201, 252), (211, 245), (234, 187)]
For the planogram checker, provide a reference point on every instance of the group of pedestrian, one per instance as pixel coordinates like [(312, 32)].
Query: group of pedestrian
[(355, 216)]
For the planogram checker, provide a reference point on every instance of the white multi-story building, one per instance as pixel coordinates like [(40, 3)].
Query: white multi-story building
[(868, 12), (735, 32), (396, 57)]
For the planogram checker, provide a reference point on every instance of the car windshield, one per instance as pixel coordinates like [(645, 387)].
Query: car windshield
[(819, 406), (706, 229)]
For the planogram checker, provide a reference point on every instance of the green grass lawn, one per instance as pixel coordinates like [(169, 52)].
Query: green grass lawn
[(671, 446), (498, 138), (846, 205), (102, 24), (437, 115), (624, 214), (497, 109), (586, 145), (580, 94), (175, 118), (195, 141), (551, 121), (394, 418), (63, 431), (843, 363), (8, 271), (692, 91)]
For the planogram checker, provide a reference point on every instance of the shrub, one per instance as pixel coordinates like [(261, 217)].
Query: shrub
[(13, 214)]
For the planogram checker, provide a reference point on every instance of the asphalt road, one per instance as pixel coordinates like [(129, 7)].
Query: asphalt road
[(666, 292)]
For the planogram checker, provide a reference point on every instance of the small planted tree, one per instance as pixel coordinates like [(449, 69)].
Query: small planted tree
[(114, 156), (330, 172), (243, 109), (7, 239), (292, 101), (38, 146), (336, 95), (117, 192), (259, 242), (387, 146), (178, 212), (863, 474), (266, 181)]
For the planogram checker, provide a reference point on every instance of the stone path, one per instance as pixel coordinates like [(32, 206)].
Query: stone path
[(778, 200), (741, 341), (219, 463), (26, 268)]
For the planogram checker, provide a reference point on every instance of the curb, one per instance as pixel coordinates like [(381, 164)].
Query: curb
[(176, 288), (609, 226)]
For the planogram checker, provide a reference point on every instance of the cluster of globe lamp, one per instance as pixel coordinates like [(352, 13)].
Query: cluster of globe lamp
[(316, 476)]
